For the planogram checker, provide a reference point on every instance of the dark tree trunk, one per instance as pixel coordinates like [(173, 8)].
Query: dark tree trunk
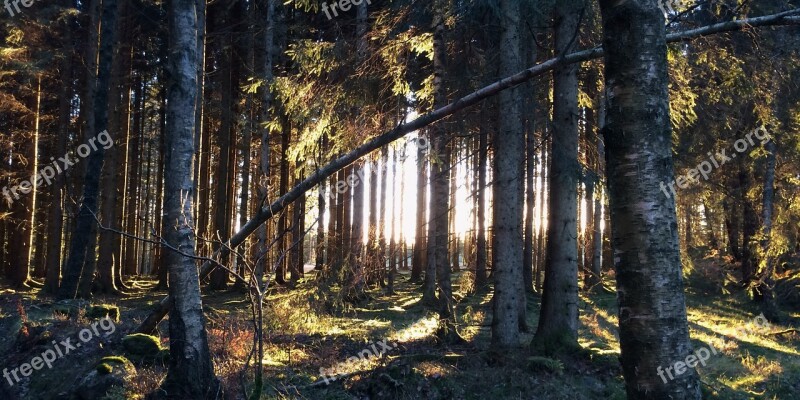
[(418, 263), (283, 226), (298, 232), (749, 226), (264, 60), (508, 301), (480, 242), (226, 139), (82, 241), (55, 214), (558, 319)]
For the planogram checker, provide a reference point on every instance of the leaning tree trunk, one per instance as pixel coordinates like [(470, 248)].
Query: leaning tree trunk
[(558, 319), (191, 372), (652, 312)]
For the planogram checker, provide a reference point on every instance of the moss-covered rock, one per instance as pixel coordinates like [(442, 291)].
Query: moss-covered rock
[(114, 372), (107, 364), (141, 348), (102, 311)]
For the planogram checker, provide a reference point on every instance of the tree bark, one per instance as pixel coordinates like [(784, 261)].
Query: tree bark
[(558, 319), (191, 373), (652, 312), (55, 214), (81, 247), (480, 202), (507, 242), (420, 245), (264, 57)]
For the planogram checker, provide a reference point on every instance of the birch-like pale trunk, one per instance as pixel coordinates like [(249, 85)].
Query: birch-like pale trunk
[(653, 328)]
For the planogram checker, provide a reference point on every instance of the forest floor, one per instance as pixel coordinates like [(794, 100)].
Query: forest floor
[(392, 350)]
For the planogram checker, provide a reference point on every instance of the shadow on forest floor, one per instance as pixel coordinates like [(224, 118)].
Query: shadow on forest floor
[(304, 339)]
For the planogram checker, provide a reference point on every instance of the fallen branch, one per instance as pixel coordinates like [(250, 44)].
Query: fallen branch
[(790, 330), (265, 213)]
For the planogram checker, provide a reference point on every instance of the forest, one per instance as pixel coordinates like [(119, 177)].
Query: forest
[(400, 199)]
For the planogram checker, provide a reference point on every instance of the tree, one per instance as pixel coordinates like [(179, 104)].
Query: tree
[(191, 373), (558, 318), (82, 250), (509, 296), (652, 311)]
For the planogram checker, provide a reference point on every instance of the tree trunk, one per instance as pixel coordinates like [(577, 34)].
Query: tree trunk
[(652, 311), (530, 198), (393, 251), (597, 235), (763, 292), (558, 319), (280, 271), (226, 139), (321, 248), (298, 232), (356, 272), (382, 217), (507, 244), (264, 56), (418, 262), (191, 372), (480, 202), (81, 247), (55, 214), (749, 226)]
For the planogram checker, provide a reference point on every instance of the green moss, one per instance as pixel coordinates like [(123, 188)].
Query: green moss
[(115, 360), (102, 311), (104, 369), (140, 347)]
